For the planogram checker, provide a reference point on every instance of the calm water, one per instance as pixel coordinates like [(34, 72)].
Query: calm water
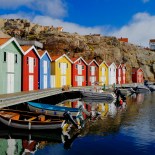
[(125, 130)]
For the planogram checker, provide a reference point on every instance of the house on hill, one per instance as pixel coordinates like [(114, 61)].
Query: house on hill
[(10, 66), (152, 44)]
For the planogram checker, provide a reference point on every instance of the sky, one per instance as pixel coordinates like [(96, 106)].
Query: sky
[(132, 19)]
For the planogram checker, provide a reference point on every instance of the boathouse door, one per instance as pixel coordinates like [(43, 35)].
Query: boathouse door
[(10, 83), (92, 80), (45, 74), (52, 81), (63, 80), (79, 80), (10, 73), (31, 71), (31, 82), (45, 81)]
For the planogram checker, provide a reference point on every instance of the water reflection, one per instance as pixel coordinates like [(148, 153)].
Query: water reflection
[(133, 120)]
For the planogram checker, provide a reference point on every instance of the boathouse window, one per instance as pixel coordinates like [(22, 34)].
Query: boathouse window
[(27, 59), (82, 67), (67, 65), (34, 61), (16, 58), (4, 56), (59, 64), (76, 66)]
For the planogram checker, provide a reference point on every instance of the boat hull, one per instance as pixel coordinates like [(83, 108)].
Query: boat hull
[(50, 110), (107, 97), (26, 125)]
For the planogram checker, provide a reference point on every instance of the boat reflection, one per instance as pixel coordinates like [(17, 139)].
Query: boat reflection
[(95, 118)]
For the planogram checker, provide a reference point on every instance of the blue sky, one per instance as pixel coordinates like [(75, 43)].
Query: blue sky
[(134, 19)]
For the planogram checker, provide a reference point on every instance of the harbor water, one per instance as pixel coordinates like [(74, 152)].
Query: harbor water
[(128, 129)]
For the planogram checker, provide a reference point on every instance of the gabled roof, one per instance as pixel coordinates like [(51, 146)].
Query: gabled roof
[(136, 69), (109, 64), (74, 60), (91, 61), (5, 41), (42, 53), (57, 57), (103, 62), (27, 49), (119, 65)]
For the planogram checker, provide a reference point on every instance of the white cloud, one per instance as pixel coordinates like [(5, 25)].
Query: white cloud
[(139, 31), (68, 27), (53, 8), (145, 1), (48, 21)]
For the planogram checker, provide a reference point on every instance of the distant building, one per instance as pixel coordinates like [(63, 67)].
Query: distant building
[(137, 75), (35, 43), (123, 40), (60, 29), (152, 44)]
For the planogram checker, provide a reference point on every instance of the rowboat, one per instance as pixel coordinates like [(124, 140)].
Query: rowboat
[(104, 96), (29, 120), (52, 110)]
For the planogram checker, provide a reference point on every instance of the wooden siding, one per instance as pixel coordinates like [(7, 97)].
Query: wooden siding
[(26, 73), (10, 48), (103, 75), (92, 77), (75, 73), (56, 70), (42, 72)]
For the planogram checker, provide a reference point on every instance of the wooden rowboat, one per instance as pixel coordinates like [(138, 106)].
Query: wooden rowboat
[(29, 120), (52, 110)]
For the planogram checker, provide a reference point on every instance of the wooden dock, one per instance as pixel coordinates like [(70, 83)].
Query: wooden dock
[(21, 97), (25, 96)]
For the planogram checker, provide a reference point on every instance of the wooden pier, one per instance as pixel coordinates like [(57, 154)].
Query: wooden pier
[(21, 97), (25, 96)]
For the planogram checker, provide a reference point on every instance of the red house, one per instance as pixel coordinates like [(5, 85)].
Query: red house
[(137, 75), (30, 68), (79, 70), (92, 72), (120, 74)]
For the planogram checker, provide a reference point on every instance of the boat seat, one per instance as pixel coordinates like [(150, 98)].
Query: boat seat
[(31, 119)]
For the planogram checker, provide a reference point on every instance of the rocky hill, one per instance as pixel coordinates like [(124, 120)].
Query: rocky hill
[(89, 46)]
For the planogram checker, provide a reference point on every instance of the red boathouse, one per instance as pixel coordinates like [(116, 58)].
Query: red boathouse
[(137, 75), (92, 72), (30, 68), (79, 71)]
